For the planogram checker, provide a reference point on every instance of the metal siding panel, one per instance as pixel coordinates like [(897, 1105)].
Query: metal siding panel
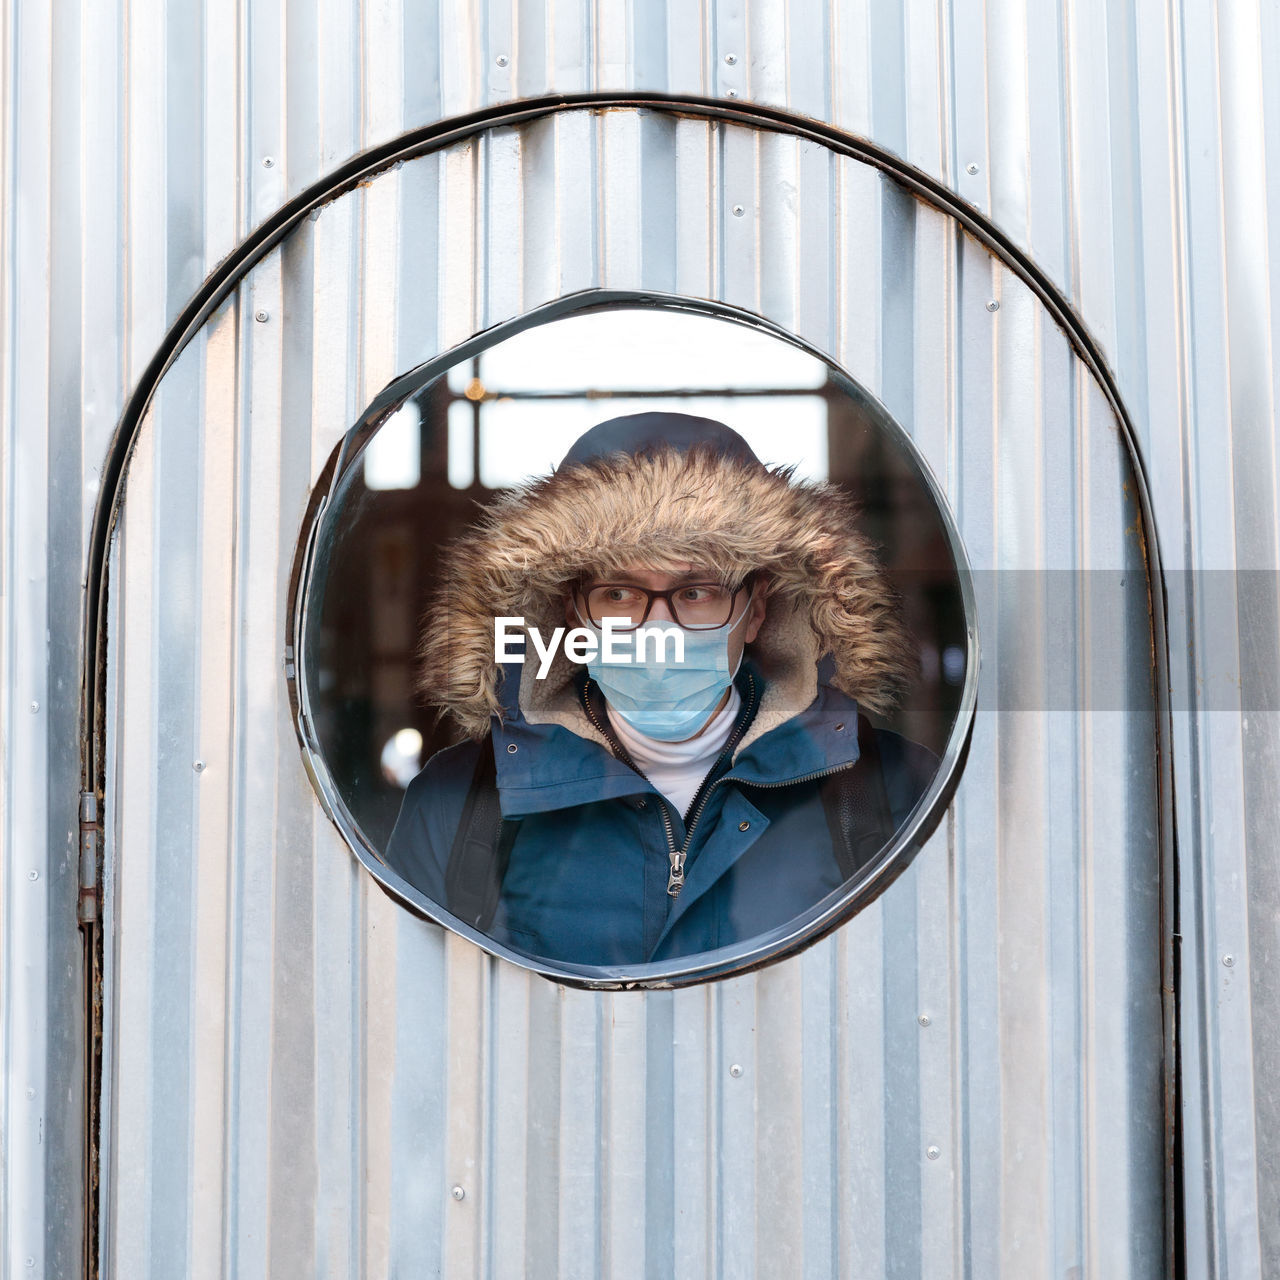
[(695, 251), (738, 277), (1248, 236), (969, 108), (255, 761), (619, 169), (858, 257), (861, 1116), (688, 57), (580, 1139), (504, 222), (928, 96), (779, 1090), (1094, 162), (624, 1206), (735, 1142), (214, 579), (1173, 271)]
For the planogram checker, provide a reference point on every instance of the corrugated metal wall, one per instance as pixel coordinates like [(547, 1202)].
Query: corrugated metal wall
[(1131, 149), (967, 1075)]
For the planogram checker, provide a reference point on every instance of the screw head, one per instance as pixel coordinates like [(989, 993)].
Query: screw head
[(262, 316), (993, 305), (268, 161), (924, 1019), (458, 1193), (738, 211), (1229, 961), (736, 1070), (502, 59), (730, 59), (198, 766), (35, 706), (33, 874), (933, 1153), (971, 168)]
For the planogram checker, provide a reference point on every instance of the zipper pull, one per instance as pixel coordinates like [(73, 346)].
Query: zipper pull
[(675, 880)]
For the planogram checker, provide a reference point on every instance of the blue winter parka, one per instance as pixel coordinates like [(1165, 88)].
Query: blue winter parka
[(587, 881)]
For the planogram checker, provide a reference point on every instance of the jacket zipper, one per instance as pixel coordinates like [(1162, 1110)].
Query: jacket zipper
[(676, 856), (787, 782), (677, 871)]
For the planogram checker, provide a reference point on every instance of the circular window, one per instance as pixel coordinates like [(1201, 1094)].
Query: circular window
[(635, 645)]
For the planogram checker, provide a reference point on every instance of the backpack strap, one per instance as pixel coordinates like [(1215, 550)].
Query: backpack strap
[(481, 847), (857, 805)]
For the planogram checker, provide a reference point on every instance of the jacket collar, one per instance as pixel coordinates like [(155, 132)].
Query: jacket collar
[(546, 766)]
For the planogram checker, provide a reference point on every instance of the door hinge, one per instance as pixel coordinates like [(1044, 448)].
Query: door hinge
[(90, 831)]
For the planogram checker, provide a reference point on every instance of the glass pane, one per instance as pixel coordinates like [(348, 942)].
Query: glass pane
[(590, 798)]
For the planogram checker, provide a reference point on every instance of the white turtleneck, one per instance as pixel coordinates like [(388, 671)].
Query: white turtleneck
[(677, 768)]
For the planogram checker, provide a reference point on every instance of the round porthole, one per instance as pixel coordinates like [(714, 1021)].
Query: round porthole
[(632, 641)]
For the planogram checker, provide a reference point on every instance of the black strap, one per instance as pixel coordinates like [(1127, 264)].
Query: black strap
[(481, 847), (857, 805)]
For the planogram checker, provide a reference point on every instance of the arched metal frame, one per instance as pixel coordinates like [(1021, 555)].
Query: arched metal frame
[(801, 932), (368, 164)]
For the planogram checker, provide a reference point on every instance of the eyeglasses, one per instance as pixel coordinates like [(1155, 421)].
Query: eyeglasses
[(699, 606)]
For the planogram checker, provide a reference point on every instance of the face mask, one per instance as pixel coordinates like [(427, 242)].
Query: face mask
[(669, 701)]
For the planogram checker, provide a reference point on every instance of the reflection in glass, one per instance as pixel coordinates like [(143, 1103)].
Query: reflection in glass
[(402, 757), (509, 415), (393, 458)]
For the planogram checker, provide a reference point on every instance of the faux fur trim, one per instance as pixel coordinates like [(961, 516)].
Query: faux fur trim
[(825, 591)]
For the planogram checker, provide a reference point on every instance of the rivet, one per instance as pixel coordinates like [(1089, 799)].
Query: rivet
[(738, 211), (735, 1071), (33, 874), (198, 766), (924, 1019), (840, 726), (971, 168), (35, 706), (744, 826), (731, 58), (268, 161), (457, 1193), (512, 748), (993, 305), (261, 316), (933, 1153), (502, 59), (1229, 961)]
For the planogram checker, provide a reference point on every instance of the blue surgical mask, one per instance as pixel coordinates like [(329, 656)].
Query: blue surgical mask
[(665, 699)]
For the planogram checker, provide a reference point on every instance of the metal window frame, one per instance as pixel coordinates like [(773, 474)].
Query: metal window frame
[(797, 934)]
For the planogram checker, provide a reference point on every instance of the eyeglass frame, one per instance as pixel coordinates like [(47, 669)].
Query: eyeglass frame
[(579, 588)]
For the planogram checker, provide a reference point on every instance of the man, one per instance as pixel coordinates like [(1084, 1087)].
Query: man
[(612, 811)]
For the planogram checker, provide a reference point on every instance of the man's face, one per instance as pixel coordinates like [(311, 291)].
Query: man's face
[(683, 575)]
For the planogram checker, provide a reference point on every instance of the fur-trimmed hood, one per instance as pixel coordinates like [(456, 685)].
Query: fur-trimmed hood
[(658, 508)]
